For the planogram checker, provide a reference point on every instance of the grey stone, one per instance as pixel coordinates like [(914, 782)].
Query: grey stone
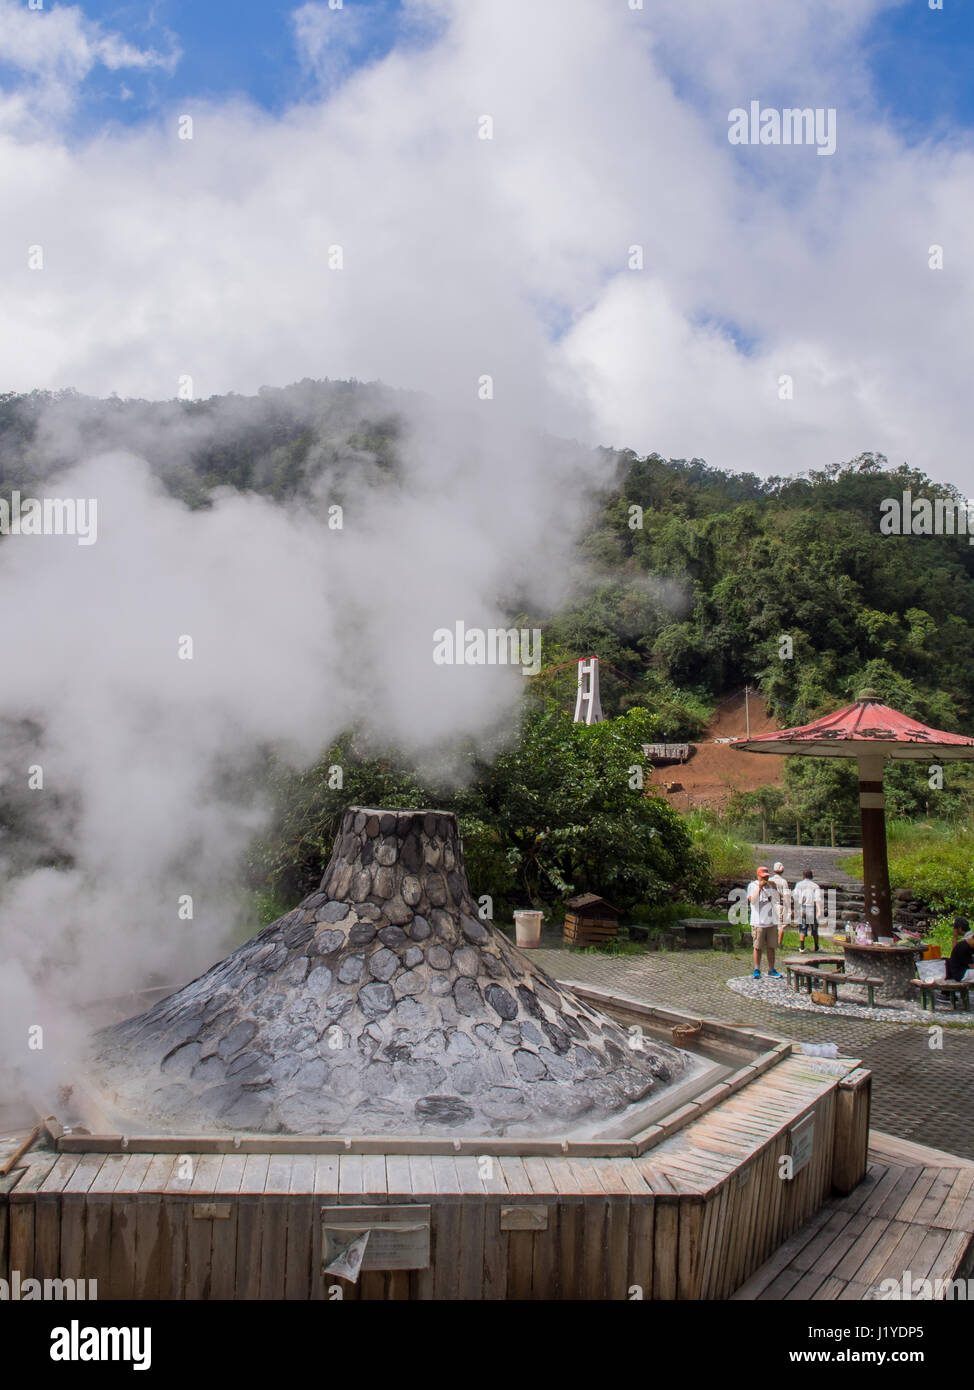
[(443, 1110), (410, 982), (294, 973), (460, 1045), (467, 997), (351, 970), (510, 1033), (467, 962), (393, 936), (361, 934), (181, 1061), (412, 956), (375, 999), (319, 982), (396, 911), (439, 958), (311, 1076), (237, 1039), (384, 964), (529, 1065), (419, 929), (386, 854), (332, 912), (474, 930), (411, 890), (436, 889), (326, 942), (298, 935), (500, 1001)]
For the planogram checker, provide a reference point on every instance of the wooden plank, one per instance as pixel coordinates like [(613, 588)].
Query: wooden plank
[(935, 1198), (641, 1218), (298, 1273), (515, 1174), (250, 1214), (445, 1176), (374, 1177), (689, 1239), (351, 1181), (469, 1175), (910, 1203), (123, 1253), (421, 1178), (495, 1248), (398, 1182), (59, 1175), (158, 1173), (876, 1260), (421, 1175), (326, 1175), (927, 1257), (84, 1174), (960, 1190), (615, 1252), (446, 1252), (666, 1250), (473, 1227), (199, 1229)]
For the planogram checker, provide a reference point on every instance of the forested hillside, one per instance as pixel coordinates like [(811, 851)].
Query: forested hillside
[(691, 583)]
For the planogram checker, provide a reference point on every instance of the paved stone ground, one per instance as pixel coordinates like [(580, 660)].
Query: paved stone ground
[(921, 1093)]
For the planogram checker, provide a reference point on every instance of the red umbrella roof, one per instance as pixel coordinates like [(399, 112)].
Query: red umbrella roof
[(865, 726)]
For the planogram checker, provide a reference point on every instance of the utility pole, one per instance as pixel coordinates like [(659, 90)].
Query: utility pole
[(747, 711)]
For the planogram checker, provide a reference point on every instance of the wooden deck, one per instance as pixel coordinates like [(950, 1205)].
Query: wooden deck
[(691, 1218), (914, 1211)]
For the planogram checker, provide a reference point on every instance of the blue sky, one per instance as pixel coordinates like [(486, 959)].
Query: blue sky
[(919, 60), (229, 48)]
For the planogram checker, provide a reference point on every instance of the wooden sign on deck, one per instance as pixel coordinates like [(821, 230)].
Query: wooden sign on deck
[(802, 1138), (399, 1237)]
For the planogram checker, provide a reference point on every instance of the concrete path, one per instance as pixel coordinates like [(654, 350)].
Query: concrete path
[(824, 862)]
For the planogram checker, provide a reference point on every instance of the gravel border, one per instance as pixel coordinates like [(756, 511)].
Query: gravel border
[(779, 993)]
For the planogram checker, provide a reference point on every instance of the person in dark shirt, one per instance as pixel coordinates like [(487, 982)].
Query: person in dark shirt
[(962, 956)]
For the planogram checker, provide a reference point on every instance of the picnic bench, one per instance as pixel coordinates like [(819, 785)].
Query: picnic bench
[(959, 991), (814, 962), (808, 975)]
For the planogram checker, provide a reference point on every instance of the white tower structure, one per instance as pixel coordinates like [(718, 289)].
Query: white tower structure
[(588, 707)]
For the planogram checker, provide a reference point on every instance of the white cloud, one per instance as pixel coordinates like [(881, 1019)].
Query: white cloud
[(211, 256)]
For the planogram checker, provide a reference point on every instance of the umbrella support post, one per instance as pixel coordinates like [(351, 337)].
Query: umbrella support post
[(875, 865)]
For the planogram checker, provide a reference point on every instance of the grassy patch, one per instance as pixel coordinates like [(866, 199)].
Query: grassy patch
[(936, 861), (729, 856)]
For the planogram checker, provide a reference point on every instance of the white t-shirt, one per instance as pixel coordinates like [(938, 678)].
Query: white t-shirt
[(765, 906), (806, 899)]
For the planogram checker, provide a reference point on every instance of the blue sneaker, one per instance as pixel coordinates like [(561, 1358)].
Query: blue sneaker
[(774, 974), (756, 975)]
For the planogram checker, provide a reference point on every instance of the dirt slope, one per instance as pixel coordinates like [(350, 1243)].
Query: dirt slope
[(715, 771)]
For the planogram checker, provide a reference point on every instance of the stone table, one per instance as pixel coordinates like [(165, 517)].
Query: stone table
[(894, 965)]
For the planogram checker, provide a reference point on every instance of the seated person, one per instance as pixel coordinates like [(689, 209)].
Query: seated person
[(962, 956)]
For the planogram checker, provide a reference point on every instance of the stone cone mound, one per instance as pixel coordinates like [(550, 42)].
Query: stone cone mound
[(381, 1004)]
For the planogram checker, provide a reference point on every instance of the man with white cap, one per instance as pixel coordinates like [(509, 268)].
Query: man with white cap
[(783, 909)]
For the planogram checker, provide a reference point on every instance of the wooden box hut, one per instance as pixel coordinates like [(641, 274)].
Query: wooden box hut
[(590, 920)]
